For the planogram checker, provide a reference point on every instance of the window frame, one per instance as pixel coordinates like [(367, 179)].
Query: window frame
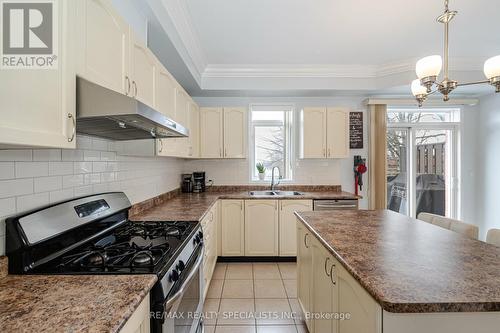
[(289, 110)]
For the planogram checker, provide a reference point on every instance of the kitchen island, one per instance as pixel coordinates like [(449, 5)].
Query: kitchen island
[(395, 274)]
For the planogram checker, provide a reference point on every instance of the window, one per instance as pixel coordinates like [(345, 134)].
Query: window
[(422, 155), (271, 138)]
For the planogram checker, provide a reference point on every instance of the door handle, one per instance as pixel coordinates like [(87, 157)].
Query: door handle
[(135, 88), (326, 264), (331, 275), (70, 116), (161, 146), (305, 241), (329, 154), (127, 79)]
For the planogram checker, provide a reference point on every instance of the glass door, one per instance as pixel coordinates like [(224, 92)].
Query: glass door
[(397, 170)]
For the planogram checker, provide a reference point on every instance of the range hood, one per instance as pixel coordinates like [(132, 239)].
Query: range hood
[(105, 113)]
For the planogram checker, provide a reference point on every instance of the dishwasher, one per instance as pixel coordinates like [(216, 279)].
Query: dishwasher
[(337, 204)]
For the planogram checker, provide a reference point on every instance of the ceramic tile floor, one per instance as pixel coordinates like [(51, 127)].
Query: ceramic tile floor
[(266, 291)]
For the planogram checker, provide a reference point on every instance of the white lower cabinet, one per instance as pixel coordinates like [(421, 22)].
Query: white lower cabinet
[(325, 287), (232, 222), (261, 227), (139, 322), (209, 225), (288, 225)]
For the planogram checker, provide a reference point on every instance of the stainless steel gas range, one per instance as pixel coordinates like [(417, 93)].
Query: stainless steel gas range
[(93, 235)]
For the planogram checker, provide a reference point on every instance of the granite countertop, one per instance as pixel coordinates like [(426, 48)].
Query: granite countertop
[(194, 206), (70, 303), (410, 266)]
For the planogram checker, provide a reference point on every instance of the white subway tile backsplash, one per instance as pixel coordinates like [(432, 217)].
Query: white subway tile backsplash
[(16, 155), (98, 166), (60, 168), (83, 190), (92, 178), (83, 142), (82, 167), (47, 155), (108, 156), (45, 184), (7, 170), (31, 169), (73, 181), (98, 144), (56, 196), (72, 155), (7, 207), (15, 187), (91, 155), (32, 201)]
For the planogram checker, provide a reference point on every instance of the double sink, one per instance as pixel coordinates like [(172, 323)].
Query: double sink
[(275, 193)]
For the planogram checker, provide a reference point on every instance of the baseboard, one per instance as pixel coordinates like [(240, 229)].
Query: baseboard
[(256, 259)]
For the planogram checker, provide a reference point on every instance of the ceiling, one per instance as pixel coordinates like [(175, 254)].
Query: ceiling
[(323, 45)]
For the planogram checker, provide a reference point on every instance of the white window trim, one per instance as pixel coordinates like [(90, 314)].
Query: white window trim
[(290, 108)]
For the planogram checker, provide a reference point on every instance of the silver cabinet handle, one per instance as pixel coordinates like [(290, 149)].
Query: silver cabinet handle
[(225, 151), (305, 241), (135, 88), (329, 154), (331, 275), (161, 146), (128, 85), (70, 116), (324, 152), (326, 264), (336, 206)]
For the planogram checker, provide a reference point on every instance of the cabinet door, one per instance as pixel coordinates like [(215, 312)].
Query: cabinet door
[(103, 51), (313, 128), (142, 71), (304, 271), (165, 92), (232, 228), (287, 225), (211, 132), (325, 295), (366, 313), (235, 128), (261, 227), (337, 133), (194, 130), (37, 107), (182, 107)]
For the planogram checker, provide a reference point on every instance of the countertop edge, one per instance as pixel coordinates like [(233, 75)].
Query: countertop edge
[(386, 305)]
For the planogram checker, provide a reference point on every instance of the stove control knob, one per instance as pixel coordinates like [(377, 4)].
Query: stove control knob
[(200, 234), (174, 276), (180, 266)]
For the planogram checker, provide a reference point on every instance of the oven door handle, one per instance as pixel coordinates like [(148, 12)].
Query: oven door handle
[(171, 301)]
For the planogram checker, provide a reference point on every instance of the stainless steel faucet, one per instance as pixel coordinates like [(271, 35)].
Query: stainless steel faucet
[(273, 185)]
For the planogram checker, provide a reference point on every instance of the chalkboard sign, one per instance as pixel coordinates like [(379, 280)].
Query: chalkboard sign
[(356, 130)]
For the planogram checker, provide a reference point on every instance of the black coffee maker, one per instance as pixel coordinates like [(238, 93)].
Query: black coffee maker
[(199, 182), (187, 183)]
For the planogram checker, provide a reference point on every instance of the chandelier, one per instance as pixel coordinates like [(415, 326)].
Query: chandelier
[(429, 68)]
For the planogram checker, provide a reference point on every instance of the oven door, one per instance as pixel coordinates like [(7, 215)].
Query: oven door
[(184, 304)]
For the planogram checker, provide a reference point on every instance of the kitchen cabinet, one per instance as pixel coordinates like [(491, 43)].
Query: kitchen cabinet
[(232, 222), (181, 107), (103, 49), (324, 132), (261, 227), (211, 127), (165, 92), (143, 66), (139, 322), (235, 132), (223, 132), (304, 272), (288, 225), (194, 130), (325, 289), (366, 313), (38, 106), (209, 225)]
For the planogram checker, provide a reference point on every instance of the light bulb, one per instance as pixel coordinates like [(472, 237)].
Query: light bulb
[(417, 89), (492, 67), (429, 66)]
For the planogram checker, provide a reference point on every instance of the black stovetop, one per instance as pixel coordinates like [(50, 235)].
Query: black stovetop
[(135, 247)]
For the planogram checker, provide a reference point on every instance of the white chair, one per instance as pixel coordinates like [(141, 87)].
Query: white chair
[(493, 237), (466, 229), (426, 217), (442, 222)]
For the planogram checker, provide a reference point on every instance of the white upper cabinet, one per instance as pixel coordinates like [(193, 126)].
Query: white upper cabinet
[(337, 133), (211, 127), (103, 49), (165, 92), (313, 144), (324, 132), (182, 106), (142, 71), (194, 130), (223, 132), (37, 107), (261, 227), (235, 120)]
